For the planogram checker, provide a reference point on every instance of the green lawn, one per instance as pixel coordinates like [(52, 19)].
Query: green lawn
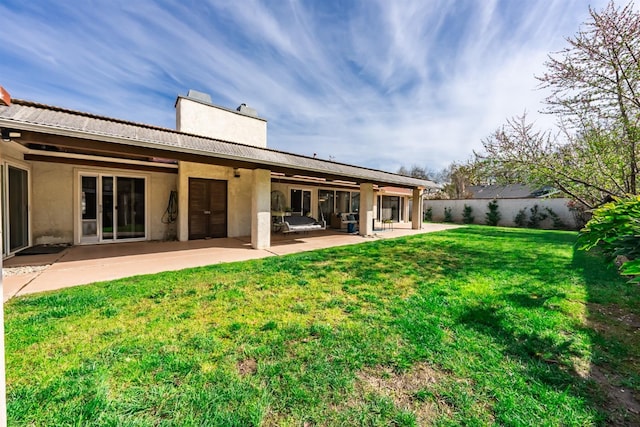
[(472, 326)]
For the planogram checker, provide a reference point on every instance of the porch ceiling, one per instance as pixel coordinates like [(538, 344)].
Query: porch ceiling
[(51, 128)]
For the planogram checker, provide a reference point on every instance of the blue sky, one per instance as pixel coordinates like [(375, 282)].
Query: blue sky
[(377, 83)]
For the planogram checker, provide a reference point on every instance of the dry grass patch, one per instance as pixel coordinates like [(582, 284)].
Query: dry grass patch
[(409, 391), (247, 367)]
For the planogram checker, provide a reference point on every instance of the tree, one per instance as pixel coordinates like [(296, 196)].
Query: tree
[(459, 176), (595, 93), (615, 228), (586, 167), (416, 172)]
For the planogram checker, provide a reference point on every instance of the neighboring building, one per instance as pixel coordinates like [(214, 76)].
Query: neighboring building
[(511, 191), (74, 177)]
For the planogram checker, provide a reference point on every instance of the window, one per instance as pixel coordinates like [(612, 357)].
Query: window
[(390, 208), (300, 202), (355, 202), (326, 200)]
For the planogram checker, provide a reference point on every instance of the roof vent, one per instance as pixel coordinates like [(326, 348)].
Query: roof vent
[(247, 111), (199, 96)]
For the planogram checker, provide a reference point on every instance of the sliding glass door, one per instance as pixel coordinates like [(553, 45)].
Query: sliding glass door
[(112, 208), (15, 196)]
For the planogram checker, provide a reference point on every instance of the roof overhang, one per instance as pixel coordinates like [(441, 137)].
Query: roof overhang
[(107, 137)]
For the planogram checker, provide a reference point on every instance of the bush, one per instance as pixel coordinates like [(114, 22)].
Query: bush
[(428, 214), (557, 221), (580, 214), (536, 217), (448, 217), (615, 228), (493, 216), (467, 218), (521, 218)]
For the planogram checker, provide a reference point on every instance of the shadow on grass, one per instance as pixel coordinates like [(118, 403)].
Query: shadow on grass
[(531, 348), (533, 314), (497, 310), (613, 318)]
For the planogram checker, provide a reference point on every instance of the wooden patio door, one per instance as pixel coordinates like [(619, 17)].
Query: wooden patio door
[(207, 208)]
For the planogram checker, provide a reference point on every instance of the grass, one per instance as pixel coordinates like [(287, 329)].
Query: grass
[(473, 326)]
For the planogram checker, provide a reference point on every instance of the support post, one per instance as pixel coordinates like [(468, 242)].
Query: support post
[(366, 209), (182, 225), (261, 209), (416, 209)]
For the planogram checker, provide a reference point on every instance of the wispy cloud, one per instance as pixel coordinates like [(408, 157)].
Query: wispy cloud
[(377, 83)]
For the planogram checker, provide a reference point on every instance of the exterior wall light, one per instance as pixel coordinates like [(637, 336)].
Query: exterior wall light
[(8, 134)]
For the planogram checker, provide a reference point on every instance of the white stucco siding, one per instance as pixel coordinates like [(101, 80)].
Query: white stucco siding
[(214, 122), (261, 209), (52, 203), (159, 187)]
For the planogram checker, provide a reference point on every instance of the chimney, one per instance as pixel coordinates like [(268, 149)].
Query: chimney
[(196, 114), (247, 111)]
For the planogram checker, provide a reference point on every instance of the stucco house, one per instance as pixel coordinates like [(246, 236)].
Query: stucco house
[(78, 178)]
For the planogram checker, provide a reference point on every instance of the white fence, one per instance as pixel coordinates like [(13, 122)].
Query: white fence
[(508, 209)]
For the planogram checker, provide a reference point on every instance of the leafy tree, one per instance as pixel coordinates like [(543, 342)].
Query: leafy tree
[(594, 88), (615, 228)]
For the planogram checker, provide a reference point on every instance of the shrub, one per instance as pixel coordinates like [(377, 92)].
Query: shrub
[(493, 216), (448, 217), (467, 218), (536, 217), (580, 214), (428, 214), (521, 218), (557, 221), (615, 228)]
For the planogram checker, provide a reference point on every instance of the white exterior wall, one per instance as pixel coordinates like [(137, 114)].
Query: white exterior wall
[(55, 208), (214, 122), (52, 202), (159, 187), (508, 209), (239, 190), (261, 209)]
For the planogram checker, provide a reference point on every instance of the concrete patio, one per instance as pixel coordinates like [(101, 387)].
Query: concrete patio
[(79, 265)]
